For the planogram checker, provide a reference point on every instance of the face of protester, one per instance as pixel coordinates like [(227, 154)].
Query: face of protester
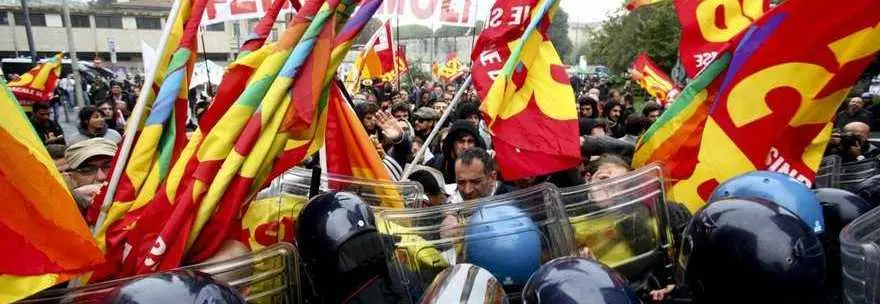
[(653, 115), (472, 180), (404, 95), (370, 122), (424, 125), (106, 110), (93, 171), (474, 119), (122, 107), (615, 113), (116, 89), (608, 191), (96, 121), (42, 115), (856, 104), (401, 115), (586, 110), (462, 144), (450, 89), (440, 107)]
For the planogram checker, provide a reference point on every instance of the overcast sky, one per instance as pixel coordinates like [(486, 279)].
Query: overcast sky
[(580, 11)]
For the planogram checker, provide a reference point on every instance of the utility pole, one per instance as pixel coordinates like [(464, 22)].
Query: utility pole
[(27, 30), (74, 61)]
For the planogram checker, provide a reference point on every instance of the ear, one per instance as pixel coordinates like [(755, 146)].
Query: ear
[(493, 175)]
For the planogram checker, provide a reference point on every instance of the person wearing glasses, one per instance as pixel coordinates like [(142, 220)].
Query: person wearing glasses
[(88, 168)]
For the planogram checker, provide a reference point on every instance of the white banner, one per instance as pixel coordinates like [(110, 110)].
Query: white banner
[(431, 13), (217, 11)]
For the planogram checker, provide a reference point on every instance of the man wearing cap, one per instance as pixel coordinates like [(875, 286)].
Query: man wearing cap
[(88, 164), (424, 119)]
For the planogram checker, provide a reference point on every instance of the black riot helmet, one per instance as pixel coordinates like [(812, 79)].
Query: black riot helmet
[(575, 280), (339, 244), (840, 207), (751, 251), (176, 287)]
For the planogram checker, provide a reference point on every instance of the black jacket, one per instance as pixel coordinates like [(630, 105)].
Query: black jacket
[(446, 162)]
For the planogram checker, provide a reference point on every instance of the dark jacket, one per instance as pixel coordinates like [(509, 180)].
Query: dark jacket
[(844, 118), (50, 127), (446, 162)]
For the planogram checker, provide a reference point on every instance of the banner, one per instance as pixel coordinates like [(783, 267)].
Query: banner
[(218, 11), (707, 26), (652, 78), (432, 13)]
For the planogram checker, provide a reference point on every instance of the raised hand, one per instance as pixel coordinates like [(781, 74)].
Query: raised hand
[(389, 125)]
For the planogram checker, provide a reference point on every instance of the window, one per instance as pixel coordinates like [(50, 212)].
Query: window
[(107, 21), (77, 21), (217, 27), (36, 19), (148, 23), (4, 18)]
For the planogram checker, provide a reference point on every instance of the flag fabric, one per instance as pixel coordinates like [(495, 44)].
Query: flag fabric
[(529, 106), (157, 142), (780, 84), (401, 66), (449, 70), (377, 58), (634, 4), (37, 85), (652, 78), (705, 31), (45, 240)]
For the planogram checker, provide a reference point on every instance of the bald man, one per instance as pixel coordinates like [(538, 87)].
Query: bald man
[(863, 131), (854, 112)]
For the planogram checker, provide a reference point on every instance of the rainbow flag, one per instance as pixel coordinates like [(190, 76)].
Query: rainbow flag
[(652, 78), (37, 85), (45, 240), (778, 83), (529, 107)]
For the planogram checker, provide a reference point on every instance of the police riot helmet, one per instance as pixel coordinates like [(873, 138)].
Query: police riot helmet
[(747, 250), (329, 220), (575, 280), (840, 208), (504, 240), (870, 190), (467, 284), (777, 188), (176, 287)]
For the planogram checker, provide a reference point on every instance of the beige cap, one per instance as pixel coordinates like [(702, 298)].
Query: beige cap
[(79, 152)]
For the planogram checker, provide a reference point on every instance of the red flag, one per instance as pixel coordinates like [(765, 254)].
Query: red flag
[(634, 4), (37, 84), (707, 26), (651, 78), (772, 107)]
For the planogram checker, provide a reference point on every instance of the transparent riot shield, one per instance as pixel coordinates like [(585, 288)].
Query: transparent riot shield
[(854, 173), (860, 259), (270, 275), (623, 221), (509, 235), (296, 181), (828, 175)]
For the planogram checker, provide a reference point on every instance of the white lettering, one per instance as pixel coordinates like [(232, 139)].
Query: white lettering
[(775, 162), (490, 56)]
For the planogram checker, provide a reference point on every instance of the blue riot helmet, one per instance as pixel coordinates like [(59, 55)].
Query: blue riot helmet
[(176, 287), (575, 280), (342, 251), (504, 240), (749, 251), (840, 208), (466, 284), (778, 188)]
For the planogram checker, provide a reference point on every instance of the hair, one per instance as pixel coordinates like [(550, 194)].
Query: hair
[(56, 151), (609, 106), (650, 107), (636, 124), (39, 106), (628, 98), (592, 102), (85, 114), (466, 110), (607, 159), (471, 154), (366, 108), (401, 106), (429, 183)]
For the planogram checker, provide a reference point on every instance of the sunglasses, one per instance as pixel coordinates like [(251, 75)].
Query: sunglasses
[(91, 169)]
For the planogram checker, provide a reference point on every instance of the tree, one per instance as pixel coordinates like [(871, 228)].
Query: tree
[(558, 33), (653, 29)]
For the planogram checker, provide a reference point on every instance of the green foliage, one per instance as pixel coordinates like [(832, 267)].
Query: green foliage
[(558, 33), (653, 29)]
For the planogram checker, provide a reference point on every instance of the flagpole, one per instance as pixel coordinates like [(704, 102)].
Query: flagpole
[(437, 126), (135, 119), (205, 58)]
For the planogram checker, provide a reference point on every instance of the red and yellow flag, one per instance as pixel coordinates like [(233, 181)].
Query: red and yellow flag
[(771, 109), (449, 70), (529, 107), (707, 26), (377, 58), (635, 4), (37, 85), (651, 78), (45, 240)]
